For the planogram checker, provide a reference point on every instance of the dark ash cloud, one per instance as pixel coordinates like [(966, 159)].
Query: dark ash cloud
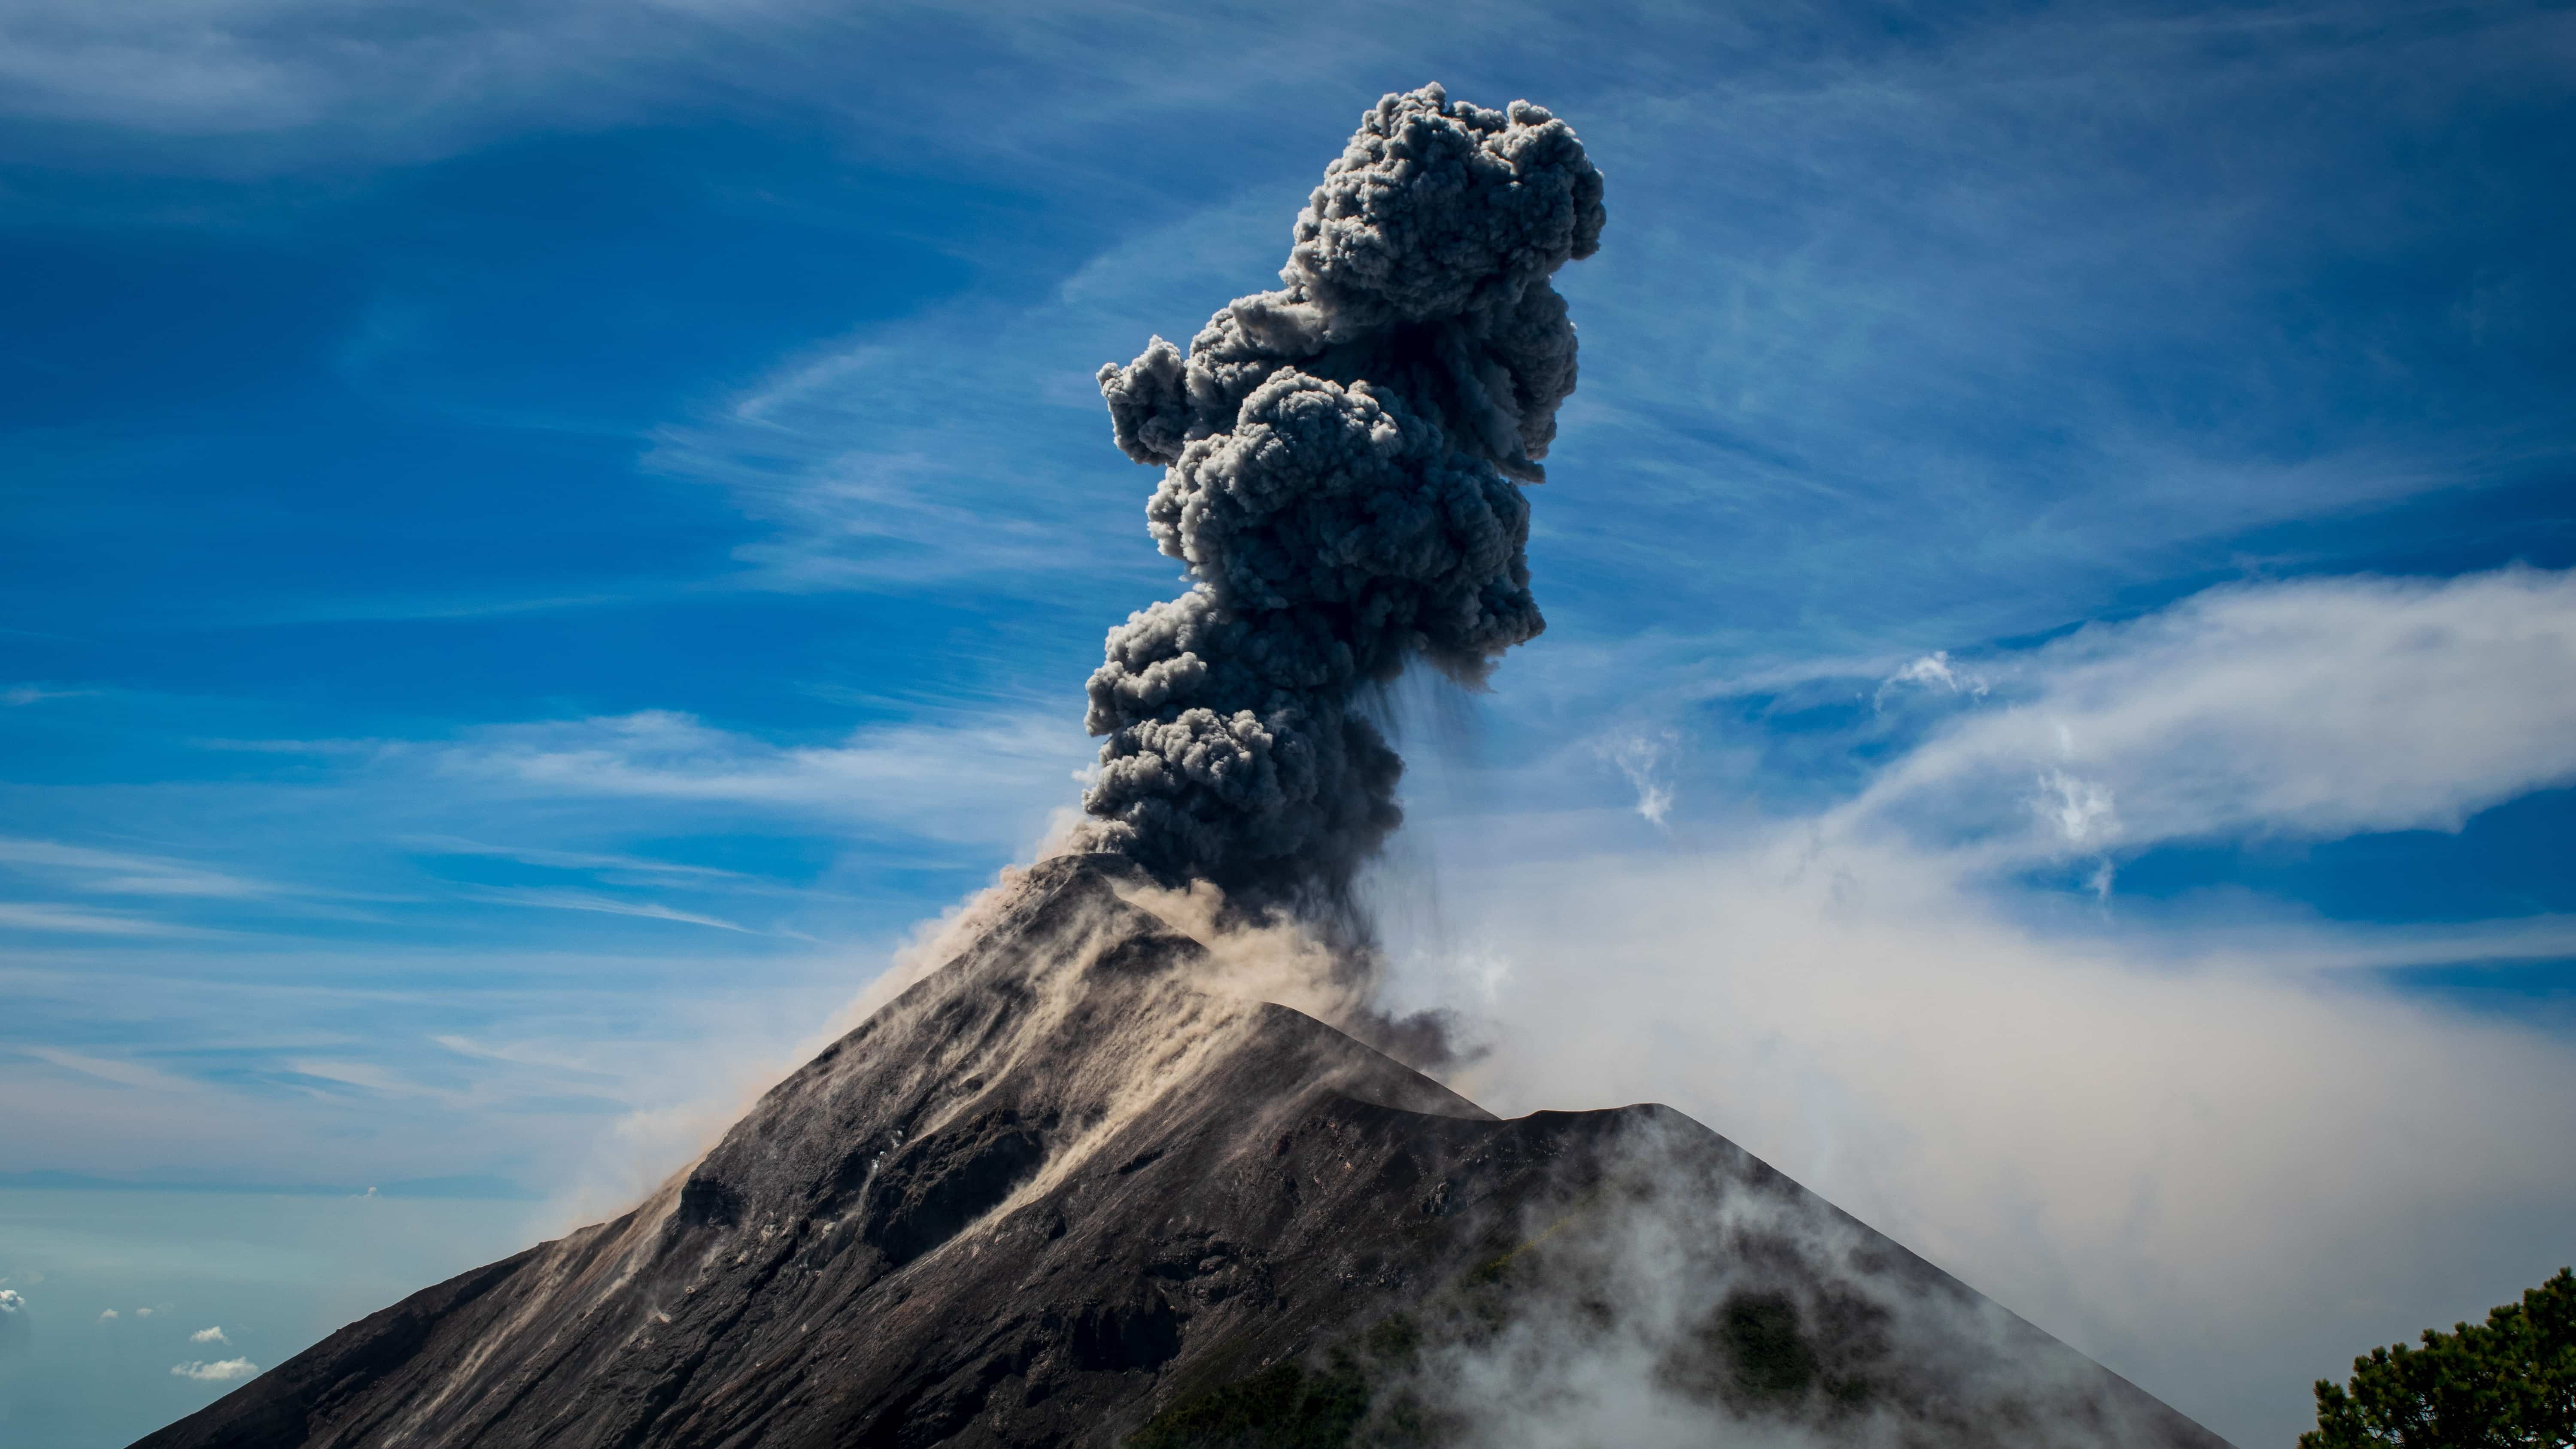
[(1341, 466)]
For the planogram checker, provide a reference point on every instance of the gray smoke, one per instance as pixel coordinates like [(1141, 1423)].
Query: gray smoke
[(1339, 462)]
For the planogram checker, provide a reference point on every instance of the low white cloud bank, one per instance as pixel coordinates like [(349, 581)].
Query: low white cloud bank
[(2209, 1152), (2221, 1179), (2313, 709), (221, 1371)]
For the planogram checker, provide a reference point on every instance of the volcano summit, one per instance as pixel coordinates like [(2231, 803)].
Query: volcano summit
[(1076, 1187), (1113, 1171)]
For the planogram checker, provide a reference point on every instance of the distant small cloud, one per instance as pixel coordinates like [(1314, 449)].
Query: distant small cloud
[(1932, 671), (1644, 759), (209, 1335), (143, 1313), (220, 1371), (108, 1316), (11, 1300), (2081, 809)]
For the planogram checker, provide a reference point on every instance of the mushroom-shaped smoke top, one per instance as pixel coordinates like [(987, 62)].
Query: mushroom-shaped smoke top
[(1339, 460)]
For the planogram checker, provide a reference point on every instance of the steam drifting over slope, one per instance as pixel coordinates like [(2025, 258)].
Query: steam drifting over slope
[(1340, 458)]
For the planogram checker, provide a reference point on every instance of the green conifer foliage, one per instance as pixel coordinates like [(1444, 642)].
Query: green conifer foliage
[(2509, 1383)]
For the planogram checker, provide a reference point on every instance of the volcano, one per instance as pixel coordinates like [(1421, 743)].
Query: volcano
[(1080, 1185), (1096, 1180)]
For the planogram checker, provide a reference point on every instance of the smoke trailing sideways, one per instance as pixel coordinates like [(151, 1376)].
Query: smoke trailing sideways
[(1341, 459)]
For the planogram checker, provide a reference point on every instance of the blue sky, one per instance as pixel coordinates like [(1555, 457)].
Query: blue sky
[(545, 540)]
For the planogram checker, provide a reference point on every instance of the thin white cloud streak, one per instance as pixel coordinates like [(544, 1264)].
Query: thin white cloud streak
[(110, 1069), (175, 888), (66, 920), (377, 1080), (571, 859), (221, 1371), (547, 900), (584, 1062), (2298, 944), (107, 872), (2313, 709), (983, 780)]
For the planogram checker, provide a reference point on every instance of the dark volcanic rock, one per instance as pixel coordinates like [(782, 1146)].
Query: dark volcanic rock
[(1057, 1191)]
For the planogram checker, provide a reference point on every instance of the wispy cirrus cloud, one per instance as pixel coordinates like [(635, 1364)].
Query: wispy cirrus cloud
[(108, 872), (20, 695), (983, 778), (582, 860), (557, 900), (122, 1071), (74, 921)]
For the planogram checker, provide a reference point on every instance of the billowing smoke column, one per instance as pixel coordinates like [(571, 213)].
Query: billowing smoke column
[(1339, 458)]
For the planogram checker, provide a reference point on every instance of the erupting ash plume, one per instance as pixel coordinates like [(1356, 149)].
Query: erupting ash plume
[(1339, 463)]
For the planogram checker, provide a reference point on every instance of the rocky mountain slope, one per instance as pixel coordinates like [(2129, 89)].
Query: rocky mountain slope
[(1061, 1192)]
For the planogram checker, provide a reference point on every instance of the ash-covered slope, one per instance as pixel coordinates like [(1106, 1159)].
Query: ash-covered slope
[(1057, 1193)]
